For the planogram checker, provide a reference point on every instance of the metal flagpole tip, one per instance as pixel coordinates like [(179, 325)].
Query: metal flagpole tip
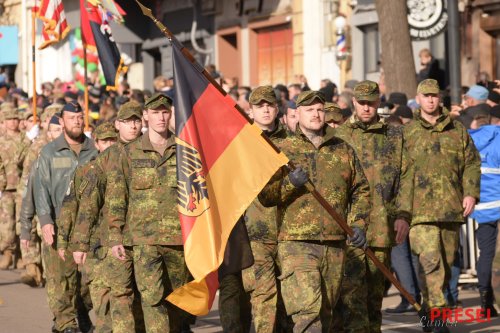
[(145, 10)]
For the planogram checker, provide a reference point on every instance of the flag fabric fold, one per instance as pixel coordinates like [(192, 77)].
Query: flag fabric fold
[(96, 35), (223, 162), (55, 26)]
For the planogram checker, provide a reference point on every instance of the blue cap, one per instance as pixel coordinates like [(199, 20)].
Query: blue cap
[(72, 107), (292, 105), (54, 120), (478, 92)]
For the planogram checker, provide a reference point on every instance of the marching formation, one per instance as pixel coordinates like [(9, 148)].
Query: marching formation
[(98, 223)]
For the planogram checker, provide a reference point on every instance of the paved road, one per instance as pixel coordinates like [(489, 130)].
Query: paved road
[(25, 310)]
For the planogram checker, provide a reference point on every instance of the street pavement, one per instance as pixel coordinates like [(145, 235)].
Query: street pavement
[(25, 310)]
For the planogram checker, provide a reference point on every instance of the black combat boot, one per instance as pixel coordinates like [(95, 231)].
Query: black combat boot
[(84, 322), (487, 303)]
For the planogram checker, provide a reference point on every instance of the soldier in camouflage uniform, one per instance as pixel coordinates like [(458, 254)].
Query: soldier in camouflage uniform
[(29, 226), (261, 278), (55, 168), (12, 154), (333, 115), (30, 230), (90, 235), (438, 192), (82, 185), (143, 214), (379, 148), (311, 244)]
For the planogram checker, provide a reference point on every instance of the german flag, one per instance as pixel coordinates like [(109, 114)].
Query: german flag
[(223, 162), (96, 35)]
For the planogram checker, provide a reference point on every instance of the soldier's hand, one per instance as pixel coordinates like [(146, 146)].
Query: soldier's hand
[(468, 204), (48, 234), (358, 239), (25, 243), (61, 253), (119, 252), (80, 257), (401, 227), (298, 177)]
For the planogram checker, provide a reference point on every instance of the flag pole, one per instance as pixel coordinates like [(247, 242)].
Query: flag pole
[(33, 60), (86, 88), (336, 217)]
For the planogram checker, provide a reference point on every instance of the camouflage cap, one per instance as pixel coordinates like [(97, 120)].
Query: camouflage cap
[(428, 86), (366, 91), (262, 93), (105, 131), (308, 97), (129, 110), (157, 100), (9, 111), (332, 112), (49, 111)]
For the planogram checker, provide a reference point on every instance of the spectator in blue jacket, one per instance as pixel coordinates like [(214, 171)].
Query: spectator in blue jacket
[(487, 211)]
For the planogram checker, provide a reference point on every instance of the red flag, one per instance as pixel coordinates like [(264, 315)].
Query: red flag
[(55, 26), (96, 32), (223, 162)]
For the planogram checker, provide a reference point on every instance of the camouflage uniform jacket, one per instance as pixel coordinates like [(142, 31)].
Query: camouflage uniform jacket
[(27, 214), (337, 175), (31, 156), (71, 205), (444, 167), (55, 168), (379, 148), (91, 232), (143, 196), (261, 221), (12, 154)]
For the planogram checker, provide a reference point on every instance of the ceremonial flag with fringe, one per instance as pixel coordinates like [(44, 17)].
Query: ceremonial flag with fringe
[(55, 26)]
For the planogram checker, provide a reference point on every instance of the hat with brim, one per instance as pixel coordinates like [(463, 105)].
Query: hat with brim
[(158, 100), (428, 86), (306, 98), (105, 131), (332, 112), (366, 91), (262, 94), (129, 110)]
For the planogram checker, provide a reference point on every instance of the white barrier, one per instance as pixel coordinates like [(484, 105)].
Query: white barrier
[(470, 252)]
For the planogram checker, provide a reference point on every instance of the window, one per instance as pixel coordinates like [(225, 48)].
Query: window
[(371, 48)]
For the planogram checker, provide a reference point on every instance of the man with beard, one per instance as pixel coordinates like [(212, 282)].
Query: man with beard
[(311, 244), (55, 167)]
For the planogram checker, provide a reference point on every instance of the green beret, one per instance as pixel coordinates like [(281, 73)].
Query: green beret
[(332, 112), (105, 131), (366, 91), (157, 100), (262, 93), (428, 86), (308, 97), (129, 110)]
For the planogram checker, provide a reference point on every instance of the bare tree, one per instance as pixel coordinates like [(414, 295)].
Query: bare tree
[(397, 54)]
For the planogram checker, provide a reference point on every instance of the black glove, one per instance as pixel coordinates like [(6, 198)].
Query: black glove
[(358, 239), (298, 177)]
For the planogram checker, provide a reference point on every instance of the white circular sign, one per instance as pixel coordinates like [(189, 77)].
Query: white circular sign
[(426, 18)]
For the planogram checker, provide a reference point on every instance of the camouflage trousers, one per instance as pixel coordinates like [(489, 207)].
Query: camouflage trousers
[(359, 306), (100, 293), (234, 305), (261, 281), (65, 290), (158, 271), (310, 282), (435, 244), (8, 221), (32, 255)]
